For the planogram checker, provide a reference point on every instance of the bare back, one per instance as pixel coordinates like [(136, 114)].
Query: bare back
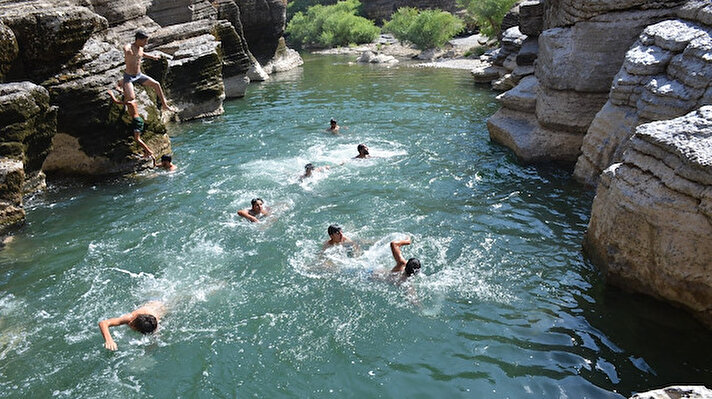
[(154, 308)]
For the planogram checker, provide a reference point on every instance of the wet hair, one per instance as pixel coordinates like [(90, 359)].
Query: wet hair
[(309, 166), (333, 229), (332, 120), (254, 201), (166, 158), (144, 323), (412, 267), (362, 148), (140, 35)]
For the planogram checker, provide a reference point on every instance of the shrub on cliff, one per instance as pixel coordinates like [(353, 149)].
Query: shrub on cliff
[(335, 25), (425, 29), (488, 14)]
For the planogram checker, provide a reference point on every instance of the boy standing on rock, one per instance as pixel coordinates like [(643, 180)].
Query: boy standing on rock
[(137, 123)]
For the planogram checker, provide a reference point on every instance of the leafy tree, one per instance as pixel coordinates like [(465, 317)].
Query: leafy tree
[(425, 29), (333, 25), (488, 14)]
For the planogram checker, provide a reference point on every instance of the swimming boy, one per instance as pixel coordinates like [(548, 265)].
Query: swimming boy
[(336, 236), (257, 211), (137, 123), (333, 126), (362, 152), (144, 320), (166, 163), (133, 53), (403, 268), (310, 168)]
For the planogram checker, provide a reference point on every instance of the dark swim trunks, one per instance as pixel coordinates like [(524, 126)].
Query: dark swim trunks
[(137, 124), (140, 78)]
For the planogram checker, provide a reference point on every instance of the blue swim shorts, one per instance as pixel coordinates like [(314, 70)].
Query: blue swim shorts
[(140, 78)]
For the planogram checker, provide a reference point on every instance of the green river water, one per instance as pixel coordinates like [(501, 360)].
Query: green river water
[(507, 305)]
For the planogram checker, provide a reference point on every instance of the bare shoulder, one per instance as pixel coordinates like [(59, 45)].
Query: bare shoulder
[(155, 308)]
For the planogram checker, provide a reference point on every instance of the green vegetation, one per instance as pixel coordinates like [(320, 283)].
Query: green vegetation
[(488, 14), (475, 51), (425, 29), (334, 25), (295, 6)]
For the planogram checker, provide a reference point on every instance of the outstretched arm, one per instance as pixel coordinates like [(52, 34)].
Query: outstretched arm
[(397, 255), (116, 100), (246, 215), (104, 327)]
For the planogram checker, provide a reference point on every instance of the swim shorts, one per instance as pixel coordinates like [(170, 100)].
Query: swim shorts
[(140, 78), (137, 124)]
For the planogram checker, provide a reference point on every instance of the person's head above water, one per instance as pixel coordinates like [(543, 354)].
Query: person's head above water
[(166, 158), (334, 229), (362, 149), (144, 323), (309, 167), (412, 267), (257, 203)]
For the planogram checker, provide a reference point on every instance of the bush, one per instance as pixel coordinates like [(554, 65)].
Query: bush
[(335, 25), (295, 6), (488, 14), (425, 29)]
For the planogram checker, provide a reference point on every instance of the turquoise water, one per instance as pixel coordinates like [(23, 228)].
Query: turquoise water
[(506, 306)]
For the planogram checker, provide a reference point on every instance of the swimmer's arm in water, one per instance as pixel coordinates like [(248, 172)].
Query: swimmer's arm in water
[(246, 215), (113, 322), (397, 255)]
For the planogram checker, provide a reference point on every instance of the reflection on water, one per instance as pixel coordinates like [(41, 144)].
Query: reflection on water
[(506, 305)]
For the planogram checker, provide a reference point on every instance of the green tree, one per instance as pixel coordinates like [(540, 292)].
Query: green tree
[(333, 25), (425, 29), (488, 14)]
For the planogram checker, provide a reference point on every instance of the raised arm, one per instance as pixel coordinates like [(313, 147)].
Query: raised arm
[(397, 255), (104, 328), (246, 215)]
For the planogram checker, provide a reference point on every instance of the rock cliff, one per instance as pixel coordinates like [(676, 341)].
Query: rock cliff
[(381, 10), (581, 48), (651, 223), (665, 74)]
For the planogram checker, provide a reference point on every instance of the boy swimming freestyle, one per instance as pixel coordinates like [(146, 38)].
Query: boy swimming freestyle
[(144, 320), (255, 212)]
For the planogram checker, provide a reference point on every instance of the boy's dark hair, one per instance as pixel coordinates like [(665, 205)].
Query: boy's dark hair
[(361, 148), (254, 201), (309, 166), (144, 323), (333, 229), (140, 35), (332, 120), (166, 158), (412, 267)]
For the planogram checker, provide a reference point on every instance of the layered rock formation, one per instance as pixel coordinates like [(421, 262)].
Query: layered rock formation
[(263, 22), (27, 124), (665, 74), (651, 223), (580, 49)]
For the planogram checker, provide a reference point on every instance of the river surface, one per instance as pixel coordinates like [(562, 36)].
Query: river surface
[(506, 305)]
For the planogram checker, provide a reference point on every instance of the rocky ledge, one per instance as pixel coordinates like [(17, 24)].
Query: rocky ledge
[(651, 223)]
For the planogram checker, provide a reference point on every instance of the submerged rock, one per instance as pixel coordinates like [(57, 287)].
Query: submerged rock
[(370, 57), (651, 223)]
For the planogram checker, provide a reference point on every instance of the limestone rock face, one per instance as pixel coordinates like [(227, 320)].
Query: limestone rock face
[(27, 124), (578, 55), (39, 27), (676, 392), (174, 12), (12, 176), (263, 23), (665, 74), (531, 17), (8, 49), (651, 222)]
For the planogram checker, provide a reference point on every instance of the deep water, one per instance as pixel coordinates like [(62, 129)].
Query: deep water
[(506, 306)]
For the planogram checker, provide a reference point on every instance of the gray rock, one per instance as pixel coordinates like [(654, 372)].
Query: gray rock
[(486, 73), (11, 178), (650, 224), (646, 60), (370, 57), (531, 17), (676, 392), (522, 97), (528, 52), (696, 10), (174, 12), (8, 49), (568, 12), (673, 35), (568, 111)]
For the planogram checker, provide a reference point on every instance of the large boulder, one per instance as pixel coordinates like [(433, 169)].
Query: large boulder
[(665, 74), (263, 23), (12, 177), (651, 223), (676, 392), (568, 12), (48, 36), (27, 124), (8, 49), (174, 12)]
